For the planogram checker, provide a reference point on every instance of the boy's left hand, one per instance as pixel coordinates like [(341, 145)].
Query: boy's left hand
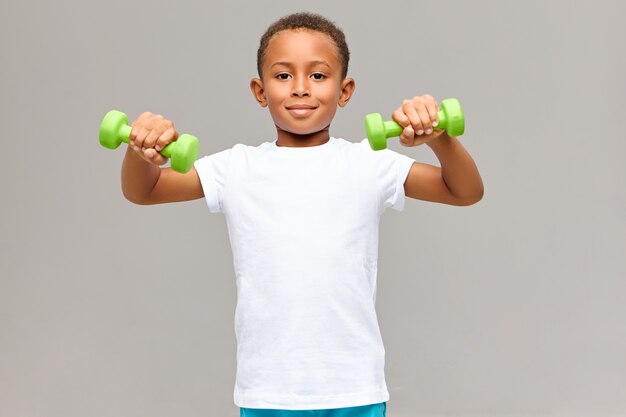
[(418, 116)]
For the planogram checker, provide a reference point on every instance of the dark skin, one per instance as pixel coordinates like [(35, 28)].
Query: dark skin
[(300, 70), (302, 86)]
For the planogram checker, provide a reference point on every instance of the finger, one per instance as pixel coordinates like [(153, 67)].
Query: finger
[(433, 112), (138, 124), (401, 118), (166, 137), (141, 136), (134, 131), (151, 138), (413, 115), (424, 117)]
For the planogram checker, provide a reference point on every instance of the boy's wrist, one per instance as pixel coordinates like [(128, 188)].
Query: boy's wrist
[(439, 141)]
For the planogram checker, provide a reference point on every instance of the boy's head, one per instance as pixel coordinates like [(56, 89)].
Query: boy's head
[(302, 63), (310, 21)]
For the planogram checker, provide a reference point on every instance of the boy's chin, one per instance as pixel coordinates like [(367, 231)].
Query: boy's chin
[(301, 131)]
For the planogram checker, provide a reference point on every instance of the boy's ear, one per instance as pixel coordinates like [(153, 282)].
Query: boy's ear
[(256, 85), (347, 88)]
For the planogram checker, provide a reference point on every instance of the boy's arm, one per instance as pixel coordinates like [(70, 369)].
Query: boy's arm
[(146, 183), (143, 180), (457, 182)]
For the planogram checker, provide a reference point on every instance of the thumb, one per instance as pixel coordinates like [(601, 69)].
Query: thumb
[(154, 157), (406, 138)]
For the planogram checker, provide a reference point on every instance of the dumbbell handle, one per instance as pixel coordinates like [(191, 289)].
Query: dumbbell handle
[(125, 137)]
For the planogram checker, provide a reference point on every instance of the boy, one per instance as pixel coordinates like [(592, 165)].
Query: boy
[(302, 214)]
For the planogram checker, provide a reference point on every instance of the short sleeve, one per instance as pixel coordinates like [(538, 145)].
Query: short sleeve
[(392, 169), (213, 173)]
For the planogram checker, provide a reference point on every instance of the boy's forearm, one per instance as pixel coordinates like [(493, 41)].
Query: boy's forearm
[(138, 177), (458, 169)]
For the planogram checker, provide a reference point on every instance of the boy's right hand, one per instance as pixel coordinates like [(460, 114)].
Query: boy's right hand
[(150, 133)]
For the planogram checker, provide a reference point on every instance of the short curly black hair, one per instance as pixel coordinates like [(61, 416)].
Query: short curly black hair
[(311, 21)]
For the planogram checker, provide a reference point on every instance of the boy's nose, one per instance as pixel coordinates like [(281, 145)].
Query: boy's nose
[(300, 89)]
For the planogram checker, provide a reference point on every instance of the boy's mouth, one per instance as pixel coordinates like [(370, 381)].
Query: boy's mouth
[(301, 110)]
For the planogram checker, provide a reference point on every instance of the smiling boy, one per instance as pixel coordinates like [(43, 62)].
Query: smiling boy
[(302, 213), (302, 83)]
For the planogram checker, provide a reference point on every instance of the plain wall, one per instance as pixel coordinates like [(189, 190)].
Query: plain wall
[(515, 306)]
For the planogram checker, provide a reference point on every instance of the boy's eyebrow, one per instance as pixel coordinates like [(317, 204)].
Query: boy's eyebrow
[(288, 64)]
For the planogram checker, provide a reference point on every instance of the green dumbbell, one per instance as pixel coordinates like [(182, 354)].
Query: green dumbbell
[(114, 130), (450, 118)]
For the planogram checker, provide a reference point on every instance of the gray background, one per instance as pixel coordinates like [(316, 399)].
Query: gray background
[(515, 306)]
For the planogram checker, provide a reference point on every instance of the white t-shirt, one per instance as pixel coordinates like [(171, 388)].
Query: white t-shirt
[(303, 227)]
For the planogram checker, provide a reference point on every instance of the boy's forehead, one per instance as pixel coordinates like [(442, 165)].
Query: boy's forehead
[(299, 44)]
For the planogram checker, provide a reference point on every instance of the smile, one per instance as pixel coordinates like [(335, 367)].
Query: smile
[(301, 110)]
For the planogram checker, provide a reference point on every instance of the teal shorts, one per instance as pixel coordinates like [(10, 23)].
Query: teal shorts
[(372, 410)]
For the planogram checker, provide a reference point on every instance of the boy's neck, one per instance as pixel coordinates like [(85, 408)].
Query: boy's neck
[(289, 139)]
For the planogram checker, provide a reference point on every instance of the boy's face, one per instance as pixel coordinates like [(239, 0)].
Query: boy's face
[(302, 82)]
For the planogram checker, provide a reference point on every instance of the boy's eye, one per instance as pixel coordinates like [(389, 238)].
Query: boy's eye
[(283, 76), (318, 76)]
